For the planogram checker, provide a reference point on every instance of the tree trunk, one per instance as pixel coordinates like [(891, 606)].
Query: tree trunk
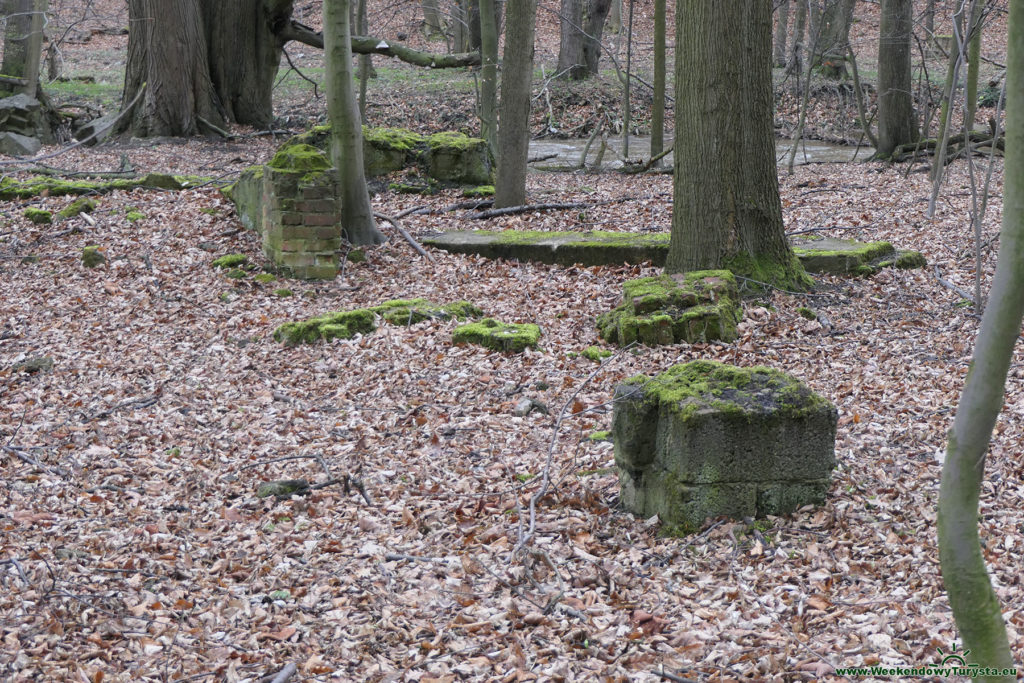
[(974, 602), (167, 56), (433, 25), (346, 130), (833, 37), (896, 122), (929, 21), (23, 44), (781, 33), (489, 75), (514, 128), (727, 212), (973, 63), (794, 63), (658, 105), (581, 28), (244, 51)]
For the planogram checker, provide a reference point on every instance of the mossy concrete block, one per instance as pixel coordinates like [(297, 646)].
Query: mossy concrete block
[(455, 157), (700, 306), (38, 216), (840, 257), (514, 337), (821, 255), (230, 261), (347, 324), (247, 196), (92, 257), (562, 248), (705, 439)]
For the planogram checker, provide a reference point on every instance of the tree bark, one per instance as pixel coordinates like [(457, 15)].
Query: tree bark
[(658, 105), (974, 602), (346, 129), (781, 33), (833, 37), (23, 41), (727, 212), (973, 62), (167, 55), (514, 114), (433, 25), (581, 28), (489, 75), (794, 63), (897, 124)]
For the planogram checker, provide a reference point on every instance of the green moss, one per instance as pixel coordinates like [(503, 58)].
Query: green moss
[(93, 257), (230, 261), (39, 185), (499, 336), (689, 388), (807, 313), (346, 324), (452, 140), (787, 274), (479, 191), (301, 158), (264, 278), (399, 139), (38, 216), (600, 436), (596, 353), (236, 273), (134, 216), (910, 259), (667, 309), (80, 205), (282, 292), (356, 256), (209, 210), (424, 188)]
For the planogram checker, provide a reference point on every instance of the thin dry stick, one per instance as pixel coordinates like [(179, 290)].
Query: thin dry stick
[(408, 238)]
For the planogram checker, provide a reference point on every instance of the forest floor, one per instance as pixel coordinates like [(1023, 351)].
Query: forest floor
[(134, 546)]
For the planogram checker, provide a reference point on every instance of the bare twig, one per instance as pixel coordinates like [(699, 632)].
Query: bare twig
[(405, 235), (28, 459)]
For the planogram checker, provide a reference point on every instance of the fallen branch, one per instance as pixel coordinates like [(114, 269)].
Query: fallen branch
[(949, 285), (526, 208), (25, 457), (405, 235), (281, 676), (368, 45)]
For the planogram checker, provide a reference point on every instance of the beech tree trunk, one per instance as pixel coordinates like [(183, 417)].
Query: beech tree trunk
[(581, 24), (727, 212), (514, 108), (974, 602), (658, 105), (23, 40), (833, 36), (489, 75), (346, 128), (781, 33), (897, 124)]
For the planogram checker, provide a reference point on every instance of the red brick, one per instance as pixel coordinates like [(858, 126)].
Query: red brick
[(320, 219)]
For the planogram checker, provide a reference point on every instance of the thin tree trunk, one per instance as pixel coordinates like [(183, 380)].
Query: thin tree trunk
[(346, 130), (365, 61), (781, 33), (727, 212), (488, 75), (626, 105), (433, 26), (929, 20), (514, 130), (896, 122), (973, 62), (658, 105), (974, 602), (795, 59)]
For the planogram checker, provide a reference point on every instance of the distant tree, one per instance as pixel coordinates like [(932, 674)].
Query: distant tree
[(658, 103), (346, 127), (488, 75), (974, 602), (781, 32), (581, 27), (897, 124), (23, 33), (830, 31), (514, 108), (727, 212)]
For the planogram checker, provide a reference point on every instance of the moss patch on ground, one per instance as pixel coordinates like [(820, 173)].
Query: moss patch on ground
[(230, 261), (34, 186), (514, 337), (80, 205), (93, 257), (347, 324), (667, 309), (38, 216)]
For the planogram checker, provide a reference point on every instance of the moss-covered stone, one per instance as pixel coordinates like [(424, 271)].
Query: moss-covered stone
[(282, 489), (666, 309), (35, 186), (806, 313), (910, 259), (34, 365), (347, 324), (831, 255), (705, 439), (514, 337), (38, 216), (282, 292), (265, 278), (93, 257), (596, 353), (236, 274), (230, 261), (300, 158), (356, 256), (80, 205), (479, 191), (134, 216)]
